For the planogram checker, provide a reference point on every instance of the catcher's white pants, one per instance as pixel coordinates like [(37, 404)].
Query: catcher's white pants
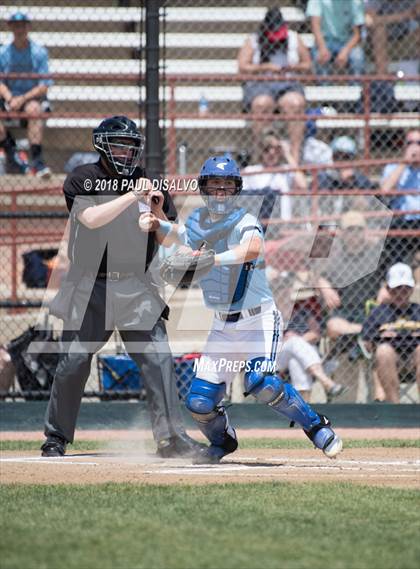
[(232, 345)]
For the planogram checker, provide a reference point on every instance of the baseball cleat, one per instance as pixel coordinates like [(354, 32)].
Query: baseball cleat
[(54, 446), (333, 448), (210, 455), (179, 446), (324, 438)]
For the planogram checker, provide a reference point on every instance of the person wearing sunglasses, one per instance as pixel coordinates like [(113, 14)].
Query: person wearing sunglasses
[(274, 153)]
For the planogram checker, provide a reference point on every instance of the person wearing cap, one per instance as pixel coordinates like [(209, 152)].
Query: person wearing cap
[(392, 332), (23, 55), (344, 149), (337, 29), (275, 50), (350, 263)]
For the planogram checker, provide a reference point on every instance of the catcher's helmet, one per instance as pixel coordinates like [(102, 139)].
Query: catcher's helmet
[(119, 142), (219, 167)]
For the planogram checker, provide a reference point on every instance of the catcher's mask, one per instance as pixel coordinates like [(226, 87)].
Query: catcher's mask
[(219, 167), (120, 143)]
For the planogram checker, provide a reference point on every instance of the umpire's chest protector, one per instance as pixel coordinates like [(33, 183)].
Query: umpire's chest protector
[(224, 284)]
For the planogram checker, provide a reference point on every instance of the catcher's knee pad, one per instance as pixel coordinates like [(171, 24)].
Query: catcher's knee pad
[(203, 398), (266, 387)]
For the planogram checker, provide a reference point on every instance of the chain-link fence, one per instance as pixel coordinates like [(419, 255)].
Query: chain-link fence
[(319, 108)]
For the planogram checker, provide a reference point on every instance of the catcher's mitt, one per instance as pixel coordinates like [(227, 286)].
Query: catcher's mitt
[(185, 267)]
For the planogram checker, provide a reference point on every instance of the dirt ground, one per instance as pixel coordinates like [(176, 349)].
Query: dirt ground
[(118, 462)]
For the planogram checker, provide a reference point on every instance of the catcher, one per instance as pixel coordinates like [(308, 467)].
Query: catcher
[(225, 248)]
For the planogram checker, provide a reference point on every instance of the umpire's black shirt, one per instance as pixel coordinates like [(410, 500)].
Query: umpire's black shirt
[(119, 245)]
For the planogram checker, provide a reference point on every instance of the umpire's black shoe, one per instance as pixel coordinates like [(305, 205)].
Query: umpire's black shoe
[(54, 446), (166, 448)]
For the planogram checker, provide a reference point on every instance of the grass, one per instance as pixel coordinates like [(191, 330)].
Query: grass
[(252, 526), (268, 443)]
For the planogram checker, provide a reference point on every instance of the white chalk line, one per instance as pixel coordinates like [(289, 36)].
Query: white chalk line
[(256, 465), (337, 461), (40, 460), (212, 470), (286, 474)]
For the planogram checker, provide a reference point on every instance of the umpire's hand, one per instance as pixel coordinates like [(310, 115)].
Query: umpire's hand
[(148, 222), (156, 199)]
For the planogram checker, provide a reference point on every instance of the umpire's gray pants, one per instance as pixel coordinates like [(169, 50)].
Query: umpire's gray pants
[(149, 348)]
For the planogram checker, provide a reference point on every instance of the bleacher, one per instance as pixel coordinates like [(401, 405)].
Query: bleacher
[(103, 38)]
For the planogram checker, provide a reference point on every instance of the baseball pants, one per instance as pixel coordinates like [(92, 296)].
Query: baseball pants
[(129, 304), (234, 342)]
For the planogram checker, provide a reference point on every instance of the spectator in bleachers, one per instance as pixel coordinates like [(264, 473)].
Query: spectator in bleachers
[(299, 354), (350, 264), (400, 176), (275, 153), (337, 30), (23, 55), (344, 149), (405, 175), (275, 49), (315, 150), (391, 21), (392, 331)]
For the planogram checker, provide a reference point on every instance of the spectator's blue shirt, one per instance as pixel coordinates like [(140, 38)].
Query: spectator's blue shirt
[(338, 17), (404, 321), (33, 59), (409, 180)]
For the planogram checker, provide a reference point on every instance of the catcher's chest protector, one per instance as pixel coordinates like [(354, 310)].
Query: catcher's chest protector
[(225, 284)]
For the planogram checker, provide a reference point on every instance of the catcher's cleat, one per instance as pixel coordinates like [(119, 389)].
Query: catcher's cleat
[(333, 448), (187, 446), (179, 446), (210, 455), (324, 438), (214, 454), (54, 446)]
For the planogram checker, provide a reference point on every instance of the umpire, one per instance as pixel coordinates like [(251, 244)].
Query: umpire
[(108, 286)]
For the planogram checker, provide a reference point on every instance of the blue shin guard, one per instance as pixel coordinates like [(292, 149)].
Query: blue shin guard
[(284, 399), (211, 419)]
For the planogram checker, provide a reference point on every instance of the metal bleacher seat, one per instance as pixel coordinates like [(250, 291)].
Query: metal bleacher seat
[(128, 14), (81, 48), (314, 93)]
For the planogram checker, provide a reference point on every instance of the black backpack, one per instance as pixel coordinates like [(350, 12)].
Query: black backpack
[(35, 369)]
